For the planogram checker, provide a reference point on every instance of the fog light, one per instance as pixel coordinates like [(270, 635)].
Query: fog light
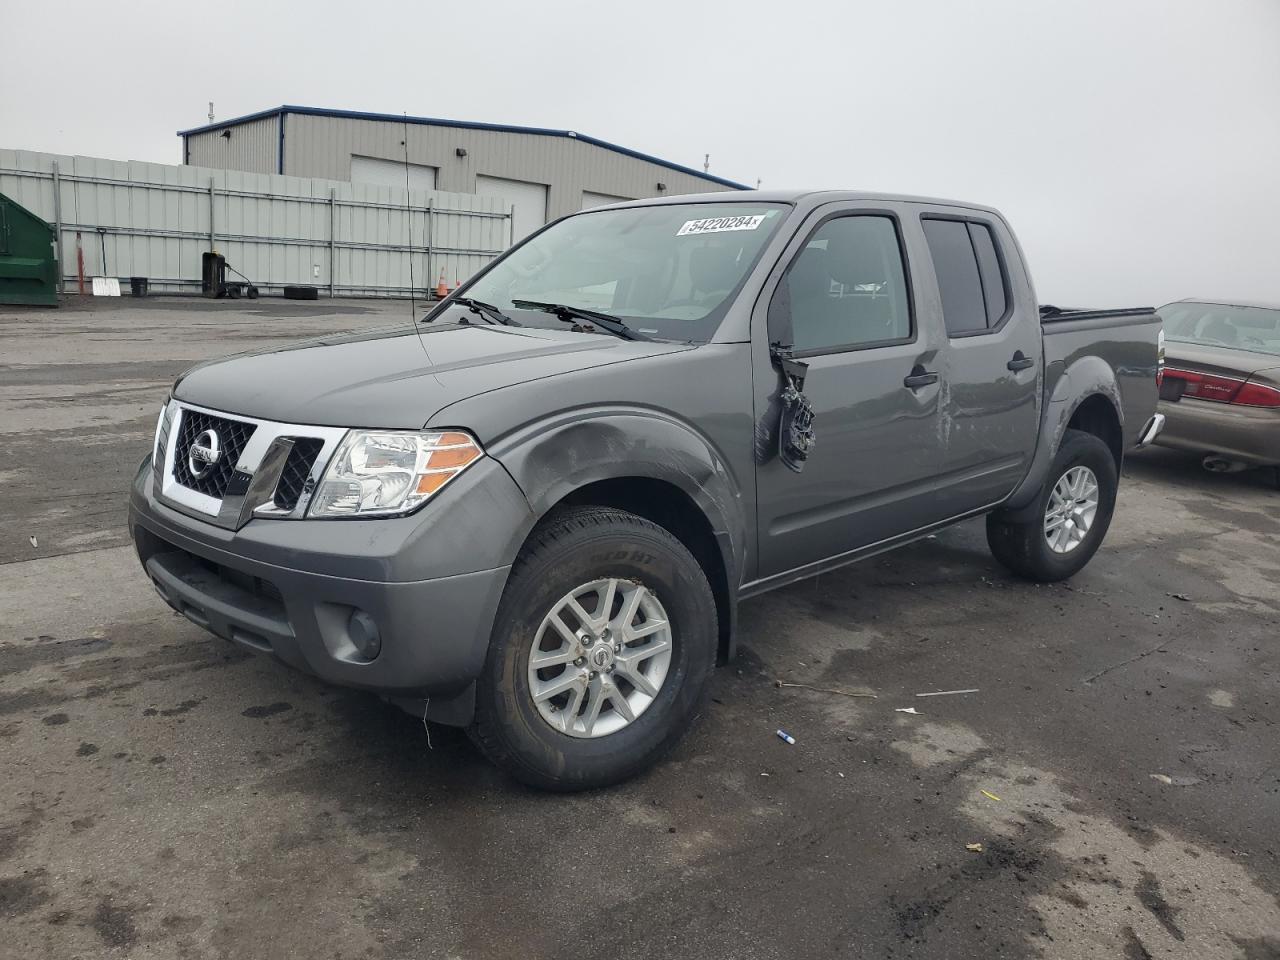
[(364, 635)]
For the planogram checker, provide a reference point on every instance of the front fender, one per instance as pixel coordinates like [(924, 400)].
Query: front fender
[(1086, 377), (554, 457)]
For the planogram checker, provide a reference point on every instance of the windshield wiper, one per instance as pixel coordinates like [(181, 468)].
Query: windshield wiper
[(486, 310), (569, 314)]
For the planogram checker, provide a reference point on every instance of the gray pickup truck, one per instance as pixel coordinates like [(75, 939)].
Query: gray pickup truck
[(533, 513)]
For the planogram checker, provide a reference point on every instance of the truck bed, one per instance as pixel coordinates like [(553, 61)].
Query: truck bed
[(1050, 314), (1078, 342)]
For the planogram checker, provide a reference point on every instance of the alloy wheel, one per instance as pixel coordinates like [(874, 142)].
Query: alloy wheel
[(600, 657)]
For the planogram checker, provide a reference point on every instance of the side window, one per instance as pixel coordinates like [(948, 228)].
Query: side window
[(993, 279), (846, 288), (971, 280)]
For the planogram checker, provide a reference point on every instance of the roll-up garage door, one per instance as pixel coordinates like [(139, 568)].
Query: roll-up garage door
[(528, 199), (391, 173)]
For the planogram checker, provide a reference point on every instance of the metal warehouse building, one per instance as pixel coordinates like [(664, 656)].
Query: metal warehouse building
[(541, 174)]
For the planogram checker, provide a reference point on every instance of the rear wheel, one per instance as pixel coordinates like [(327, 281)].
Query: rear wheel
[(604, 641), (1056, 538)]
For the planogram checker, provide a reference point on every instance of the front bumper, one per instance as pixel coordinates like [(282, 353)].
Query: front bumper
[(1248, 434), (431, 582)]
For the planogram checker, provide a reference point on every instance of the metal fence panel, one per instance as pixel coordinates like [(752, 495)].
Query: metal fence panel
[(153, 220)]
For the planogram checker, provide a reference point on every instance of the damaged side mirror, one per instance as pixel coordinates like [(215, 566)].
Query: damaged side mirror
[(795, 422)]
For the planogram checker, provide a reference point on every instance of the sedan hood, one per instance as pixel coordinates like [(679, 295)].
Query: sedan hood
[(393, 378)]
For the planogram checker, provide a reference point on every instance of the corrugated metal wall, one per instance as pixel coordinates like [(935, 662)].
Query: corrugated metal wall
[(155, 221), (252, 146), (318, 146)]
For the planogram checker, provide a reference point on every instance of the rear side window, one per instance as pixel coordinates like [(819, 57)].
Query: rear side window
[(971, 281), (993, 283)]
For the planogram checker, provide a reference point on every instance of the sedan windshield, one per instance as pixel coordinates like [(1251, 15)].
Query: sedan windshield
[(1223, 325), (668, 272)]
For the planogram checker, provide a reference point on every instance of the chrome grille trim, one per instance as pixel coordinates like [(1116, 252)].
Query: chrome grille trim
[(247, 495)]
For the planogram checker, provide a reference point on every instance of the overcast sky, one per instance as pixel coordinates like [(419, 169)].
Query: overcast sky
[(1133, 144)]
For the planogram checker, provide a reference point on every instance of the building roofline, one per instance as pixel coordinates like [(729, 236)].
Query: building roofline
[(465, 125)]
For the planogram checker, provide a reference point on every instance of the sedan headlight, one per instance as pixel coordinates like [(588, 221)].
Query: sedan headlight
[(386, 472)]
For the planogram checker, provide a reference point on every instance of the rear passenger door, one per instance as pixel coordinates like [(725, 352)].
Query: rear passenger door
[(990, 410)]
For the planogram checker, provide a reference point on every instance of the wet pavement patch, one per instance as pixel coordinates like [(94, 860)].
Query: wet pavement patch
[(1149, 895), (183, 707), (1134, 948), (1258, 948), (45, 649), (114, 924), (269, 710), (23, 894)]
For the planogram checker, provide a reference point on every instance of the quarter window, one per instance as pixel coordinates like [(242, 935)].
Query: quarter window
[(846, 288), (993, 282), (971, 280)]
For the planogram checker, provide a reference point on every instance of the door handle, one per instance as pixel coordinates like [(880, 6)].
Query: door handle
[(919, 377), (1020, 362)]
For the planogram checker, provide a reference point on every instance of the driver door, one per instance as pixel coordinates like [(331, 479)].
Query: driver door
[(844, 300)]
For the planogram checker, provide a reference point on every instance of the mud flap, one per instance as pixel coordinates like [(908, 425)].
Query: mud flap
[(795, 424)]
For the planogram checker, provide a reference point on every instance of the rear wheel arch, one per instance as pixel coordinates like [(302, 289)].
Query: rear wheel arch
[(1098, 415), (1020, 539), (1095, 411)]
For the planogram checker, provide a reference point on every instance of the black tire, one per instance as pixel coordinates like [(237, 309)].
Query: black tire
[(301, 292), (572, 548), (1020, 543)]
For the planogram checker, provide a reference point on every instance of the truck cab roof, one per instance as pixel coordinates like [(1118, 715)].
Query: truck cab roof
[(796, 197)]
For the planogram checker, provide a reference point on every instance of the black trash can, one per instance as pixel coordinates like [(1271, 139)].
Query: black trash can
[(139, 285), (213, 274)]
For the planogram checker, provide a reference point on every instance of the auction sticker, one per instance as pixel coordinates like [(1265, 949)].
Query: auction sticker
[(720, 225)]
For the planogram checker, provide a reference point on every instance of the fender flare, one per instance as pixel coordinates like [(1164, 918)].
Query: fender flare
[(551, 458), (1087, 377)]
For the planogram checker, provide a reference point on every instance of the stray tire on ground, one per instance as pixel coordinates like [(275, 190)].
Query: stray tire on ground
[(301, 293)]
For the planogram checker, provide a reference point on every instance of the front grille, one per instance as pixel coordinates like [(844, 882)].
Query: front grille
[(297, 468), (232, 437)]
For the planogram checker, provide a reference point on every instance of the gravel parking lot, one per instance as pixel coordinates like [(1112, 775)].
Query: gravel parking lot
[(166, 795)]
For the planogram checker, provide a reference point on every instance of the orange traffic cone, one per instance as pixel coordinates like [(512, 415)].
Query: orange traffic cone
[(456, 284), (442, 288)]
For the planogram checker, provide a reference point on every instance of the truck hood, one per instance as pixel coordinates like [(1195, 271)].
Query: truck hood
[(393, 378)]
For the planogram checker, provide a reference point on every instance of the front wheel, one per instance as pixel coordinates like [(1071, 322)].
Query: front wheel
[(1065, 528), (603, 644)]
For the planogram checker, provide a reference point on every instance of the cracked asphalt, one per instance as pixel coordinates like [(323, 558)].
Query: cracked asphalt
[(163, 794)]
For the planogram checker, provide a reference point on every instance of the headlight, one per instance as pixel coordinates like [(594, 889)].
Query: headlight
[(385, 472)]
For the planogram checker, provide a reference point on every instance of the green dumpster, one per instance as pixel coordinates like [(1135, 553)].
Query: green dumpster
[(28, 257)]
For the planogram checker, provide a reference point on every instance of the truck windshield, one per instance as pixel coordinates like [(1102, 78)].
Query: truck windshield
[(668, 271), (1223, 325)]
